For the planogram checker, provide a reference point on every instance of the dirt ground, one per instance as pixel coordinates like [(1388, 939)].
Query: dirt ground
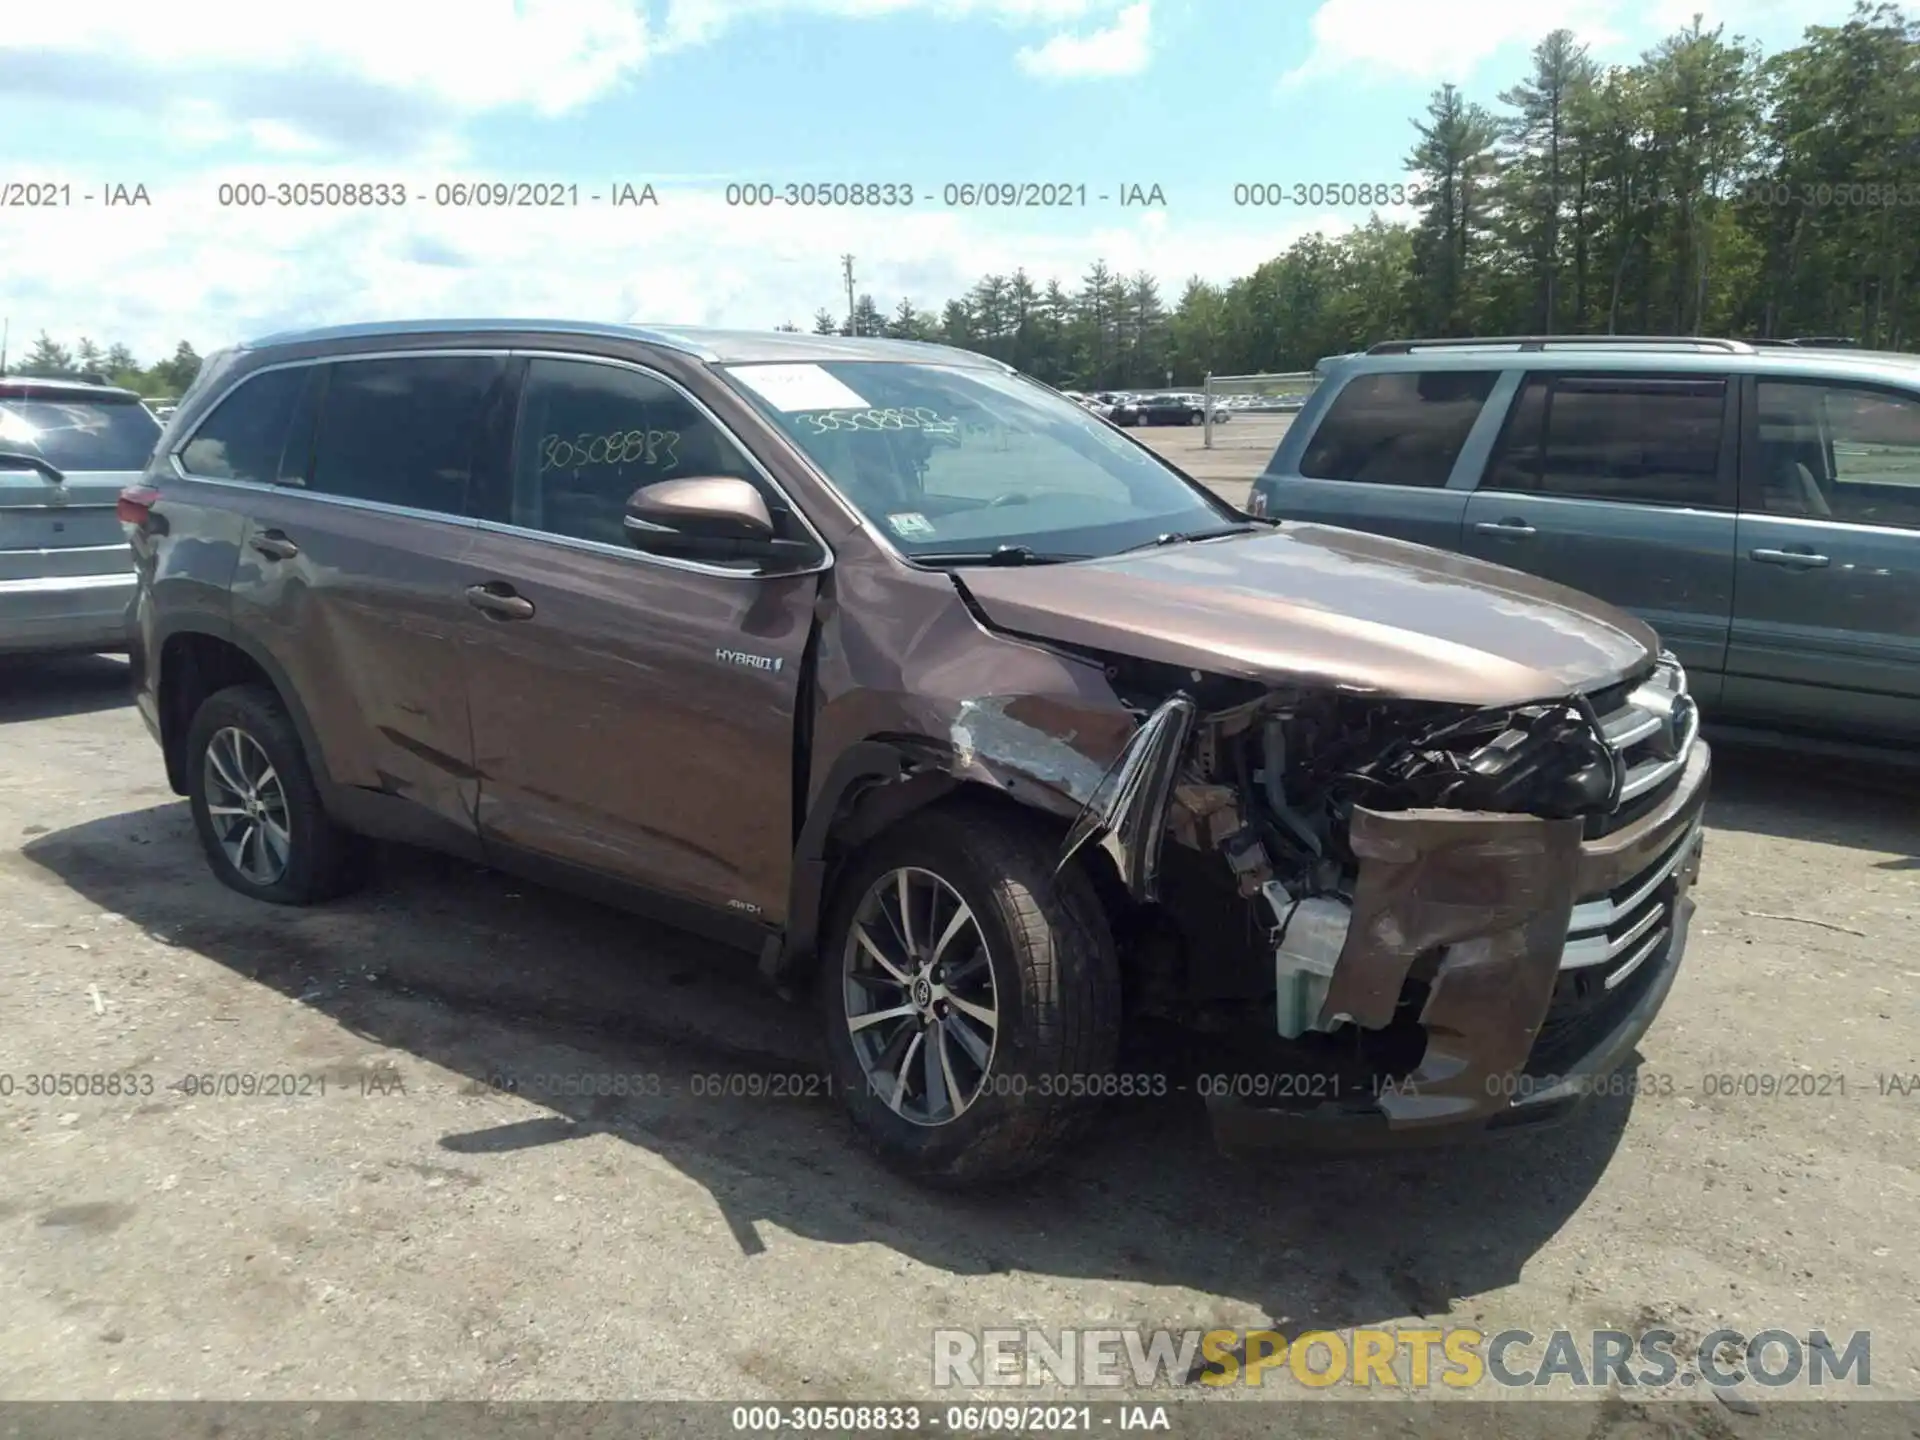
[(413, 1234)]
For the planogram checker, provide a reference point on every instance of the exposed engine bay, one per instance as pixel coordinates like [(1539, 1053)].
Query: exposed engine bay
[(1274, 784), (1328, 856)]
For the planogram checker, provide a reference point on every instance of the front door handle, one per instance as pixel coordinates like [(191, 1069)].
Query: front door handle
[(275, 545), (498, 600), (1516, 529), (1793, 559)]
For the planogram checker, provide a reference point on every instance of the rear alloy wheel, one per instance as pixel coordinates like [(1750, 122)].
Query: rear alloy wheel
[(970, 996), (1197, 418), (256, 806), (247, 806)]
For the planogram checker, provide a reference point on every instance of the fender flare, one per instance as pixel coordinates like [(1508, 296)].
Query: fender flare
[(860, 768), (218, 628)]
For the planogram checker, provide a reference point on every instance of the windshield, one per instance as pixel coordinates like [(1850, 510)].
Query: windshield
[(81, 434), (952, 460)]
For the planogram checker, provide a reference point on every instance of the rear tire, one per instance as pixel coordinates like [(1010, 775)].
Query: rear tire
[(981, 1103), (256, 807)]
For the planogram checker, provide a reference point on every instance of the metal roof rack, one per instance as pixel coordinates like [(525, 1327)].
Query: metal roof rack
[(1542, 342)]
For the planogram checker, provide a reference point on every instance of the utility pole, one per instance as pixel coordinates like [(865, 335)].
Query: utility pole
[(846, 267), (6, 325)]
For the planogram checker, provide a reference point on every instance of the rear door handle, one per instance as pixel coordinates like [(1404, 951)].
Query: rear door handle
[(499, 600), (1518, 529), (275, 545), (1793, 559)]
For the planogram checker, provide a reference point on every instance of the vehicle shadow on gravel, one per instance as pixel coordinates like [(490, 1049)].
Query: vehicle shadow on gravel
[(488, 977), (42, 687), (1852, 803)]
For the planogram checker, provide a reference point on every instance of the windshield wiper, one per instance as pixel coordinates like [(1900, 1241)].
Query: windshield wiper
[(1182, 537), (1003, 555)]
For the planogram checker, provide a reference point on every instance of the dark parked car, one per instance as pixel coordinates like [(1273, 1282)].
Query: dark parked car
[(940, 695), (67, 448), (1759, 506), (1161, 410)]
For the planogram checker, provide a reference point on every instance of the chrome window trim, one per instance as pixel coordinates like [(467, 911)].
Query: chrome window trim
[(470, 522), (59, 584), (1825, 522), (617, 552), (119, 548), (699, 567), (350, 502)]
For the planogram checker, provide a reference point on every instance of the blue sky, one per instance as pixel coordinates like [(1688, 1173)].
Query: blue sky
[(1194, 96)]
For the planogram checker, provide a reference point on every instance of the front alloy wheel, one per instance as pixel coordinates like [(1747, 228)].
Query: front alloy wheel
[(920, 1000), (248, 806), (970, 994)]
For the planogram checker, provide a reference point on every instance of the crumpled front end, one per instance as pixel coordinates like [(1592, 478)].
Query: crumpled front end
[(1394, 918)]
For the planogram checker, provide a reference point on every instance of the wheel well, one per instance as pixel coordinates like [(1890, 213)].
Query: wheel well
[(192, 667), (880, 808)]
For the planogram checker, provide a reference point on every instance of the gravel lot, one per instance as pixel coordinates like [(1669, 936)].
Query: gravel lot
[(412, 1234)]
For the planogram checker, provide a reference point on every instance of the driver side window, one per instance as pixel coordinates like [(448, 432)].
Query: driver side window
[(591, 434)]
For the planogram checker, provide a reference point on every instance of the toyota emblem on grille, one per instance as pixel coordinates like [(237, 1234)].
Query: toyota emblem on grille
[(1676, 724)]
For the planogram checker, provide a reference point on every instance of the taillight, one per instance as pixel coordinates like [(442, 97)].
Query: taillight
[(136, 504), (1257, 502)]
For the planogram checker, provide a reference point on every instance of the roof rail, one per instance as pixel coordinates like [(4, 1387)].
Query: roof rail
[(1542, 342)]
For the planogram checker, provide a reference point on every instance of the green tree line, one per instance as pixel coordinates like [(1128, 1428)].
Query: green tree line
[(1706, 188), (116, 365)]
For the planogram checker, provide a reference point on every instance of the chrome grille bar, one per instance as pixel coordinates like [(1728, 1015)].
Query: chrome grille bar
[(1590, 938)]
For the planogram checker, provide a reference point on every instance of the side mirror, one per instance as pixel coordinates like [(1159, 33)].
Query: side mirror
[(705, 517)]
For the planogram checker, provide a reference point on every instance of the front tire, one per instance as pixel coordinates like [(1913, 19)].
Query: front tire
[(256, 807), (971, 999)]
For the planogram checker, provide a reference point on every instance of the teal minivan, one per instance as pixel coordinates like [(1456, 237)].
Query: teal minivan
[(1757, 504)]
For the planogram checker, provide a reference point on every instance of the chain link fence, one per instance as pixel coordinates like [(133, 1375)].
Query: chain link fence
[(1279, 395)]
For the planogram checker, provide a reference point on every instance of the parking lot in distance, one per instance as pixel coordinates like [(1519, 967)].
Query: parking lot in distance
[(407, 1230)]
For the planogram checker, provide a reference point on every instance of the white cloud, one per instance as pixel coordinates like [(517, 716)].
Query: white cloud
[(1122, 48), (186, 268), (545, 55), (1429, 40), (355, 75)]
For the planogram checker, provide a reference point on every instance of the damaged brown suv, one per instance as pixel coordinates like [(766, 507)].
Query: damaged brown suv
[(954, 703)]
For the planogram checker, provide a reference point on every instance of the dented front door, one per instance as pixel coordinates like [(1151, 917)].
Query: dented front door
[(637, 719)]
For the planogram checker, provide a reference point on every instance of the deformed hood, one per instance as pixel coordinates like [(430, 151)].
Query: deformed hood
[(1317, 603)]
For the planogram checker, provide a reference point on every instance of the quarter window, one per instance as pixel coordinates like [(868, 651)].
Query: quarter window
[(405, 431), (1839, 452), (1633, 440), (1403, 427), (590, 435), (244, 437)]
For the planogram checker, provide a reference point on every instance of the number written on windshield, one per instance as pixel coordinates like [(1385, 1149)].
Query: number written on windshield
[(916, 417)]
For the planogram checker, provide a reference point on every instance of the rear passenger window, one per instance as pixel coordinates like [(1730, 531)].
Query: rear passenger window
[(1635, 440), (592, 434), (403, 432), (1839, 452), (1398, 428), (244, 436)]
